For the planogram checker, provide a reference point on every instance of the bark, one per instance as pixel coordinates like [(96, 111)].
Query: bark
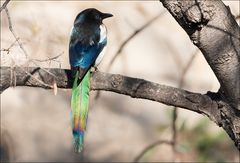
[(211, 27), (210, 104), (134, 87), (214, 30)]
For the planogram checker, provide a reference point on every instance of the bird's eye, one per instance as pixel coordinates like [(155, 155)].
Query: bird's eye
[(97, 17)]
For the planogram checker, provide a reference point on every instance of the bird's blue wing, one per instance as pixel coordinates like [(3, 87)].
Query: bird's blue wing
[(84, 56)]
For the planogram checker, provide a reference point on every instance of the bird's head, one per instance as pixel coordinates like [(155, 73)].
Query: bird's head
[(91, 15)]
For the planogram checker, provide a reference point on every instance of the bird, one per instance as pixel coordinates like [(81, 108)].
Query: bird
[(88, 40)]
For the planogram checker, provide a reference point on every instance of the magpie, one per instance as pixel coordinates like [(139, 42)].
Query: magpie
[(86, 49), (88, 40)]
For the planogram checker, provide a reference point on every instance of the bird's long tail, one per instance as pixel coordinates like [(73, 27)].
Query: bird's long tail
[(79, 106)]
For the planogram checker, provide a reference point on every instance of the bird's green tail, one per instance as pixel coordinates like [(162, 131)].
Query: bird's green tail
[(79, 105)]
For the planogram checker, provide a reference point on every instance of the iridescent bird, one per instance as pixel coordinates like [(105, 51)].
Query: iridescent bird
[(86, 49)]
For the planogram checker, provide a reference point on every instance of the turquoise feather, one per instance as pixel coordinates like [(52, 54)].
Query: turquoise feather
[(79, 106)]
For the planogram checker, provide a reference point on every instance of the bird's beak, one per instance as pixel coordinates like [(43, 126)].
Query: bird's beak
[(106, 15)]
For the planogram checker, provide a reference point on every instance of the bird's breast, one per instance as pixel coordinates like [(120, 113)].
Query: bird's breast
[(103, 40), (100, 57), (103, 33)]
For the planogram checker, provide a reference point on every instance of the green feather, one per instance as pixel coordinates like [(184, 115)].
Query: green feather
[(79, 105)]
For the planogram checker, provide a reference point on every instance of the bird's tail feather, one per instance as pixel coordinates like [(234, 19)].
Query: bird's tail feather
[(79, 106)]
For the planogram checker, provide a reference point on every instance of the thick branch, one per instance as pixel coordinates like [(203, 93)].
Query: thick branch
[(214, 30), (136, 88), (209, 104)]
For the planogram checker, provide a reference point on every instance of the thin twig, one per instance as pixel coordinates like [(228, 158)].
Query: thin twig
[(4, 5), (32, 61), (137, 31), (8, 49), (151, 146), (10, 26), (33, 77), (174, 132), (186, 68), (174, 115), (13, 76), (175, 109), (49, 59)]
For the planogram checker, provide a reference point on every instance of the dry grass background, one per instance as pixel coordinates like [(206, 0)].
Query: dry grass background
[(37, 123)]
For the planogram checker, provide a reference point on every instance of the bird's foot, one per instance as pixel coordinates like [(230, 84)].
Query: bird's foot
[(94, 69)]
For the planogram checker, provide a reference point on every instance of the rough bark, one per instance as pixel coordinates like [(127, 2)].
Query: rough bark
[(211, 27), (134, 87), (214, 30), (210, 104)]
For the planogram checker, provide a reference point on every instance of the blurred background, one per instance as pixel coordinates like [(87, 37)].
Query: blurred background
[(35, 124)]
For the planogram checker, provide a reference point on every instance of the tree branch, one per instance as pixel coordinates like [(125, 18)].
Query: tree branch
[(134, 87), (209, 104), (127, 40), (134, 34), (4, 5), (150, 147), (237, 17), (214, 30)]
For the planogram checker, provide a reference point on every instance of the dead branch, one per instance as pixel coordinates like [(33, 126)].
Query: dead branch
[(173, 141), (10, 26), (9, 48), (135, 33), (17, 39), (175, 109), (49, 58), (151, 146), (4, 5)]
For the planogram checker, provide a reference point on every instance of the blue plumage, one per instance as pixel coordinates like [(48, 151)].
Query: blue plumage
[(88, 39), (87, 42), (82, 55)]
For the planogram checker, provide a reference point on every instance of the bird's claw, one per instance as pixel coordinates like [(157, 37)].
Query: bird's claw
[(94, 69)]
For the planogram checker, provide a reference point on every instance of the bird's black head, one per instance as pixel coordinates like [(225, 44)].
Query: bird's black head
[(91, 15)]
